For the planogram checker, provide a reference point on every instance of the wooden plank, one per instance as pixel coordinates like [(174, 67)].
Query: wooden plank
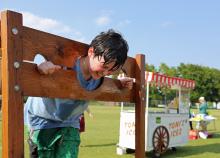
[(0, 60), (140, 107), (0, 78), (0, 40), (57, 49), (63, 84), (12, 110), (129, 67)]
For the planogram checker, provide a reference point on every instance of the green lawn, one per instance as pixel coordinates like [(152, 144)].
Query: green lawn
[(101, 137)]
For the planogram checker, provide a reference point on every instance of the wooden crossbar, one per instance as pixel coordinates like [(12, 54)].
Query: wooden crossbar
[(19, 44), (57, 49), (63, 84)]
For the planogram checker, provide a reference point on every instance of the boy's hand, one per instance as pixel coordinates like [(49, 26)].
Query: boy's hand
[(126, 82), (48, 67)]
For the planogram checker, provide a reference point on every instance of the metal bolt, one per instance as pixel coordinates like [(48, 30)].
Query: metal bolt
[(16, 88), (143, 86), (16, 64), (143, 98), (14, 31)]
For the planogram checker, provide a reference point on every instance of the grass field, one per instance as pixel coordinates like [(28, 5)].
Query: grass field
[(102, 134)]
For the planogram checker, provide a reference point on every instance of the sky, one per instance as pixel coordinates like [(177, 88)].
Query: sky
[(166, 31)]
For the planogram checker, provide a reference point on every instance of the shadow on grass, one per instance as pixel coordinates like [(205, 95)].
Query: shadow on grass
[(99, 145), (216, 135), (193, 150), (186, 151)]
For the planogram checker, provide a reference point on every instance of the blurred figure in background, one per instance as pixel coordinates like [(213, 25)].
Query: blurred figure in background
[(203, 106), (202, 113), (82, 120)]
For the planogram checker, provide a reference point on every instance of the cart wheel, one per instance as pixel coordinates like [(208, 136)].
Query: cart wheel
[(160, 139)]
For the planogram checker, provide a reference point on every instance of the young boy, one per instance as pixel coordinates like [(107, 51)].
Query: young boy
[(53, 122)]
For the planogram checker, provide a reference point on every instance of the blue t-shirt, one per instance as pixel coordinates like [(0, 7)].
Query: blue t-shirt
[(42, 113)]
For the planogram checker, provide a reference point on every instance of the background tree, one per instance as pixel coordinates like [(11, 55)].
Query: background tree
[(207, 81)]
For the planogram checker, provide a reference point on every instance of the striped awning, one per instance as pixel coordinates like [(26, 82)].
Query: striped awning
[(163, 80)]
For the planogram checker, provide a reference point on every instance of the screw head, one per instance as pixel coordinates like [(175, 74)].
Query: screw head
[(16, 88), (16, 65), (14, 31)]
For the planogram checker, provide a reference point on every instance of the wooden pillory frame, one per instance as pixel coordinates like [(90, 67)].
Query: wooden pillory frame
[(20, 78)]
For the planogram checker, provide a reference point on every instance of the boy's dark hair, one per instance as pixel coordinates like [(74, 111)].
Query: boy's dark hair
[(112, 47)]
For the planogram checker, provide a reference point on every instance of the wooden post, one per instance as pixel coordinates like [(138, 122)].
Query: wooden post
[(12, 110), (140, 102), (0, 39), (0, 62)]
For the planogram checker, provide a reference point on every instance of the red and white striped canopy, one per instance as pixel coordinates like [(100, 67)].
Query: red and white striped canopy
[(163, 80)]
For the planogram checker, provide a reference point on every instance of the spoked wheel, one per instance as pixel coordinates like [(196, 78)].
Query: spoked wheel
[(160, 140)]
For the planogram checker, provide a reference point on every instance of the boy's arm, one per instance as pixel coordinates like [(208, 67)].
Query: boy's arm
[(45, 67), (126, 82), (48, 67)]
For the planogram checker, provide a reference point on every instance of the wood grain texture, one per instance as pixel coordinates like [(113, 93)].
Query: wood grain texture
[(12, 107), (58, 49), (140, 103), (0, 60), (63, 84), (0, 40)]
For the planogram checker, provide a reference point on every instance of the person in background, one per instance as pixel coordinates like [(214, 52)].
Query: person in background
[(202, 113), (82, 121), (203, 106), (190, 116)]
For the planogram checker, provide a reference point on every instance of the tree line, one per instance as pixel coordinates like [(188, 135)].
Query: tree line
[(207, 81)]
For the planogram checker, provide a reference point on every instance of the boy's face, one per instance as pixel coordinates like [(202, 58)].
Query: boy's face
[(96, 66)]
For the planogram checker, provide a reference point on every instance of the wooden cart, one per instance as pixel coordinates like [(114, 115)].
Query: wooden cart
[(166, 128)]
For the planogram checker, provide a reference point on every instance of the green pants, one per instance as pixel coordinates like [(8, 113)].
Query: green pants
[(56, 142)]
